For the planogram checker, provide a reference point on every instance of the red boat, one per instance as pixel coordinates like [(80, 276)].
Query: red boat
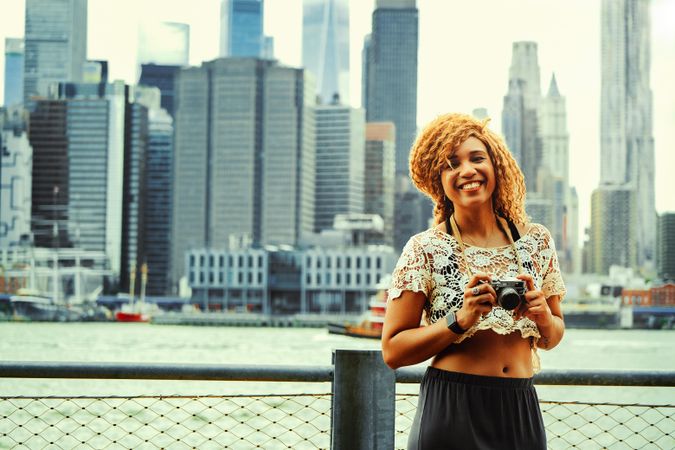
[(122, 316), (371, 325)]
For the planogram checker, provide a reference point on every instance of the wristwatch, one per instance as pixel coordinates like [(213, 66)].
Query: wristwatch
[(453, 325)]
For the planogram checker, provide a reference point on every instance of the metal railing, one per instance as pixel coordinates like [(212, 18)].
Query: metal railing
[(363, 409)]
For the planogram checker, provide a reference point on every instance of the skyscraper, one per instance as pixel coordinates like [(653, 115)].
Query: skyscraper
[(158, 195), (325, 47), (14, 61), (391, 72), (380, 174), (520, 114), (78, 169), (164, 43), (626, 140), (613, 224), (340, 141), (244, 156), (241, 28), (164, 78), (55, 44)]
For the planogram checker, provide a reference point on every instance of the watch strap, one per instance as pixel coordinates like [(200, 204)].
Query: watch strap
[(453, 325)]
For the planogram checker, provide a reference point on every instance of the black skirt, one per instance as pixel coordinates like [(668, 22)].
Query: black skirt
[(464, 411)]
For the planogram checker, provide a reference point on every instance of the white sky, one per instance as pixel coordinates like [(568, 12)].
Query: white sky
[(464, 57)]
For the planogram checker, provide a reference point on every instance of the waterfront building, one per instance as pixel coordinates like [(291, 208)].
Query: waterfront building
[(241, 28), (626, 139), (16, 157), (244, 155), (164, 78), (520, 114), (666, 247), (380, 169), (55, 44), (613, 225), (78, 189), (164, 43), (325, 47), (390, 68), (287, 280), (158, 194), (340, 155), (14, 61)]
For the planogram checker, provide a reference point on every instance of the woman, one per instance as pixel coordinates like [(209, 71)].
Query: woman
[(478, 392)]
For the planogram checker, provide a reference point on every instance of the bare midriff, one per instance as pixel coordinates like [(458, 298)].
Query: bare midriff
[(490, 354)]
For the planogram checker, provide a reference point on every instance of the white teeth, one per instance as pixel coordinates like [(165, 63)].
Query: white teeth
[(475, 184)]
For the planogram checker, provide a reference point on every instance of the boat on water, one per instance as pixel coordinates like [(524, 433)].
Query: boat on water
[(370, 326), (135, 312)]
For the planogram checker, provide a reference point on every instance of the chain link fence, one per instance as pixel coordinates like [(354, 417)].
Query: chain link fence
[(295, 421)]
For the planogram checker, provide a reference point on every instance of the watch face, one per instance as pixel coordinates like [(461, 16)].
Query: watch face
[(450, 318)]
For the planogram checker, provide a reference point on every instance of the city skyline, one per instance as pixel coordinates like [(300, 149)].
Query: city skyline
[(442, 87)]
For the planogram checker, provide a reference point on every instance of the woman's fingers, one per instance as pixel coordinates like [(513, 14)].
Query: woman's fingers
[(477, 279), (529, 281)]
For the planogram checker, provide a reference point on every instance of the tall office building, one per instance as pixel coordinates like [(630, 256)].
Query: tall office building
[(613, 225), (14, 61), (241, 28), (340, 152), (164, 43), (380, 174), (520, 114), (16, 166), (55, 44), (244, 156), (325, 47), (626, 139), (665, 253), (158, 184), (78, 169), (164, 78), (554, 175), (135, 179), (391, 72)]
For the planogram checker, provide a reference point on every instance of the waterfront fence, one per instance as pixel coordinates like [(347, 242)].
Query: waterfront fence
[(363, 409)]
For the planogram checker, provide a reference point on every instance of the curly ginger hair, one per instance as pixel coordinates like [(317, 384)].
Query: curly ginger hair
[(434, 147)]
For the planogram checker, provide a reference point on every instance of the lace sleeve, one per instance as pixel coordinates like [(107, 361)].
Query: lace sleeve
[(552, 279), (411, 272)]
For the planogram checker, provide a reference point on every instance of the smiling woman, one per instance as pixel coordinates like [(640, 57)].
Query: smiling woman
[(486, 305)]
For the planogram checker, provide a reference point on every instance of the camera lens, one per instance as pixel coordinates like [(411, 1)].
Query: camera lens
[(508, 299)]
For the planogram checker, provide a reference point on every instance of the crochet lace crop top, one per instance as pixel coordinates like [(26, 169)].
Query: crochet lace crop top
[(431, 263)]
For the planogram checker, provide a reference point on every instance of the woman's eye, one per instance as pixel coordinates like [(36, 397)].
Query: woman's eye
[(479, 159)]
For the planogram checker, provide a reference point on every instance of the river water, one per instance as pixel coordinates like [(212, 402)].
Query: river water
[(146, 343)]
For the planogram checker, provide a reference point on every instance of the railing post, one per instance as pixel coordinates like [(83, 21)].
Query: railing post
[(363, 410)]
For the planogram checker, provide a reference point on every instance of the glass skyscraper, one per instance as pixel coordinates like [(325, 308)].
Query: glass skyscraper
[(391, 72), (241, 28), (325, 47), (55, 44), (14, 55)]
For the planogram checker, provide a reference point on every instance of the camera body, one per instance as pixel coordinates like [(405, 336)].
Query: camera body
[(510, 292)]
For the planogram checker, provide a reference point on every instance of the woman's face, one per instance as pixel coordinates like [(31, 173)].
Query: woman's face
[(469, 180)]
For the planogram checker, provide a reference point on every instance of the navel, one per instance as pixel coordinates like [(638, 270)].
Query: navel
[(505, 369)]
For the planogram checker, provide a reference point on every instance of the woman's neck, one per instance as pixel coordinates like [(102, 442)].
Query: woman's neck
[(480, 223)]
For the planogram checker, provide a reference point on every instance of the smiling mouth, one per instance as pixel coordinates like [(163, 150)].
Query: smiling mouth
[(472, 186)]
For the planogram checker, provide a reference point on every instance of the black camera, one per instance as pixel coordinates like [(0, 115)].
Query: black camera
[(510, 293)]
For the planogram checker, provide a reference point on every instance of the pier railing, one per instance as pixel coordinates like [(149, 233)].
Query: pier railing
[(362, 410)]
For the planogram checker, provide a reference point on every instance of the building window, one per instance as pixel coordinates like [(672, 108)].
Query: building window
[(201, 277), (192, 260), (250, 278), (378, 262), (337, 278), (201, 260), (230, 261), (368, 279), (221, 261), (358, 279), (192, 278), (328, 262), (212, 261), (260, 261), (318, 263), (318, 279), (309, 262), (328, 278), (358, 262), (337, 262), (377, 278), (241, 261), (220, 277), (309, 279), (348, 262), (211, 278), (260, 278), (368, 262), (348, 278), (240, 278), (250, 261)]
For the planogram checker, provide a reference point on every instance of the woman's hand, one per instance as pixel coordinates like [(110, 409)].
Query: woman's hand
[(479, 298), (535, 307)]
